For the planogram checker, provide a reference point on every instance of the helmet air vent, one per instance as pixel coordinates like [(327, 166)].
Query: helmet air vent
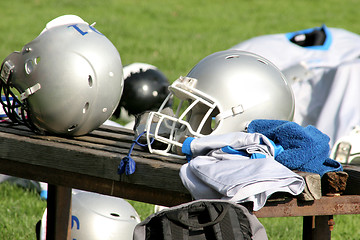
[(86, 107), (115, 214), (262, 61), (231, 57), (70, 129), (27, 50), (90, 81)]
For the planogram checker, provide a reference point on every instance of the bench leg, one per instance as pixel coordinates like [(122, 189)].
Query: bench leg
[(58, 213), (317, 227)]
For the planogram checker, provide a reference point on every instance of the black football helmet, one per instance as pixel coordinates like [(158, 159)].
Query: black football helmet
[(145, 88)]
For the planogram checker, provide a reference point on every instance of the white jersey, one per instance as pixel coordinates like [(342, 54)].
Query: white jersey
[(323, 66), (238, 167), (339, 45)]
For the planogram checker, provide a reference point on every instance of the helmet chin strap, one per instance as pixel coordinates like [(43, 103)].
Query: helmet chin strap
[(239, 109), (230, 113), (29, 91)]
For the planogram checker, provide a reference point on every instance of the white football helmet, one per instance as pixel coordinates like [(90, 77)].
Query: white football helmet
[(67, 81), (223, 93), (97, 216)]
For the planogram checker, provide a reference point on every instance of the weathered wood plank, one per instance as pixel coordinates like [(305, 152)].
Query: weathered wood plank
[(312, 188), (75, 180), (334, 183), (346, 204), (115, 143), (89, 161)]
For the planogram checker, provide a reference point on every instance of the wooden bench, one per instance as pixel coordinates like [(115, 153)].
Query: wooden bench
[(90, 163)]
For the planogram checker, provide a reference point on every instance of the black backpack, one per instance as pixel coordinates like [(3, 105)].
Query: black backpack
[(201, 219)]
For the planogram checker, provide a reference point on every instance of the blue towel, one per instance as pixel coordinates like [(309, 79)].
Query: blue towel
[(305, 148)]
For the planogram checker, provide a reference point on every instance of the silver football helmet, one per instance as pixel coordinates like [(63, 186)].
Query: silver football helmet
[(67, 81), (97, 216), (221, 94)]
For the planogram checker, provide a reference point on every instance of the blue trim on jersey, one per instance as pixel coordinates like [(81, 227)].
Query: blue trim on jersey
[(186, 148), (277, 149), (328, 38), (230, 150)]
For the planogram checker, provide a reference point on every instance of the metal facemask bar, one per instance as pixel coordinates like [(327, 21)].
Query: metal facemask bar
[(14, 108), (177, 127), (347, 148)]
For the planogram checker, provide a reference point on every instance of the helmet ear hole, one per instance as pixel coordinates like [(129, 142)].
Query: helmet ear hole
[(210, 124), (31, 64)]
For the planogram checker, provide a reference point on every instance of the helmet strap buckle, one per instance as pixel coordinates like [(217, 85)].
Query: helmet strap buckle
[(29, 91), (233, 111)]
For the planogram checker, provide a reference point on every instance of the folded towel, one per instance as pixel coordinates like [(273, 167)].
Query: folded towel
[(305, 148)]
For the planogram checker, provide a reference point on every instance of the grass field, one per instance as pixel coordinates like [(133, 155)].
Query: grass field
[(174, 36)]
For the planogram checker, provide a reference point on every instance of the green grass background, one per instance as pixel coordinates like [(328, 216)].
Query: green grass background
[(174, 36)]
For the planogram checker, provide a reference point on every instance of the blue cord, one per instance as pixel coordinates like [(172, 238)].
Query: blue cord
[(127, 164)]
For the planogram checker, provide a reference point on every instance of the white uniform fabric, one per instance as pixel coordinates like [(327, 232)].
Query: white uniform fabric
[(327, 95), (340, 46), (129, 125), (214, 173), (112, 123)]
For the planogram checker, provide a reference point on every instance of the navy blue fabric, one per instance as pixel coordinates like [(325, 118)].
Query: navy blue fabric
[(127, 164)]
